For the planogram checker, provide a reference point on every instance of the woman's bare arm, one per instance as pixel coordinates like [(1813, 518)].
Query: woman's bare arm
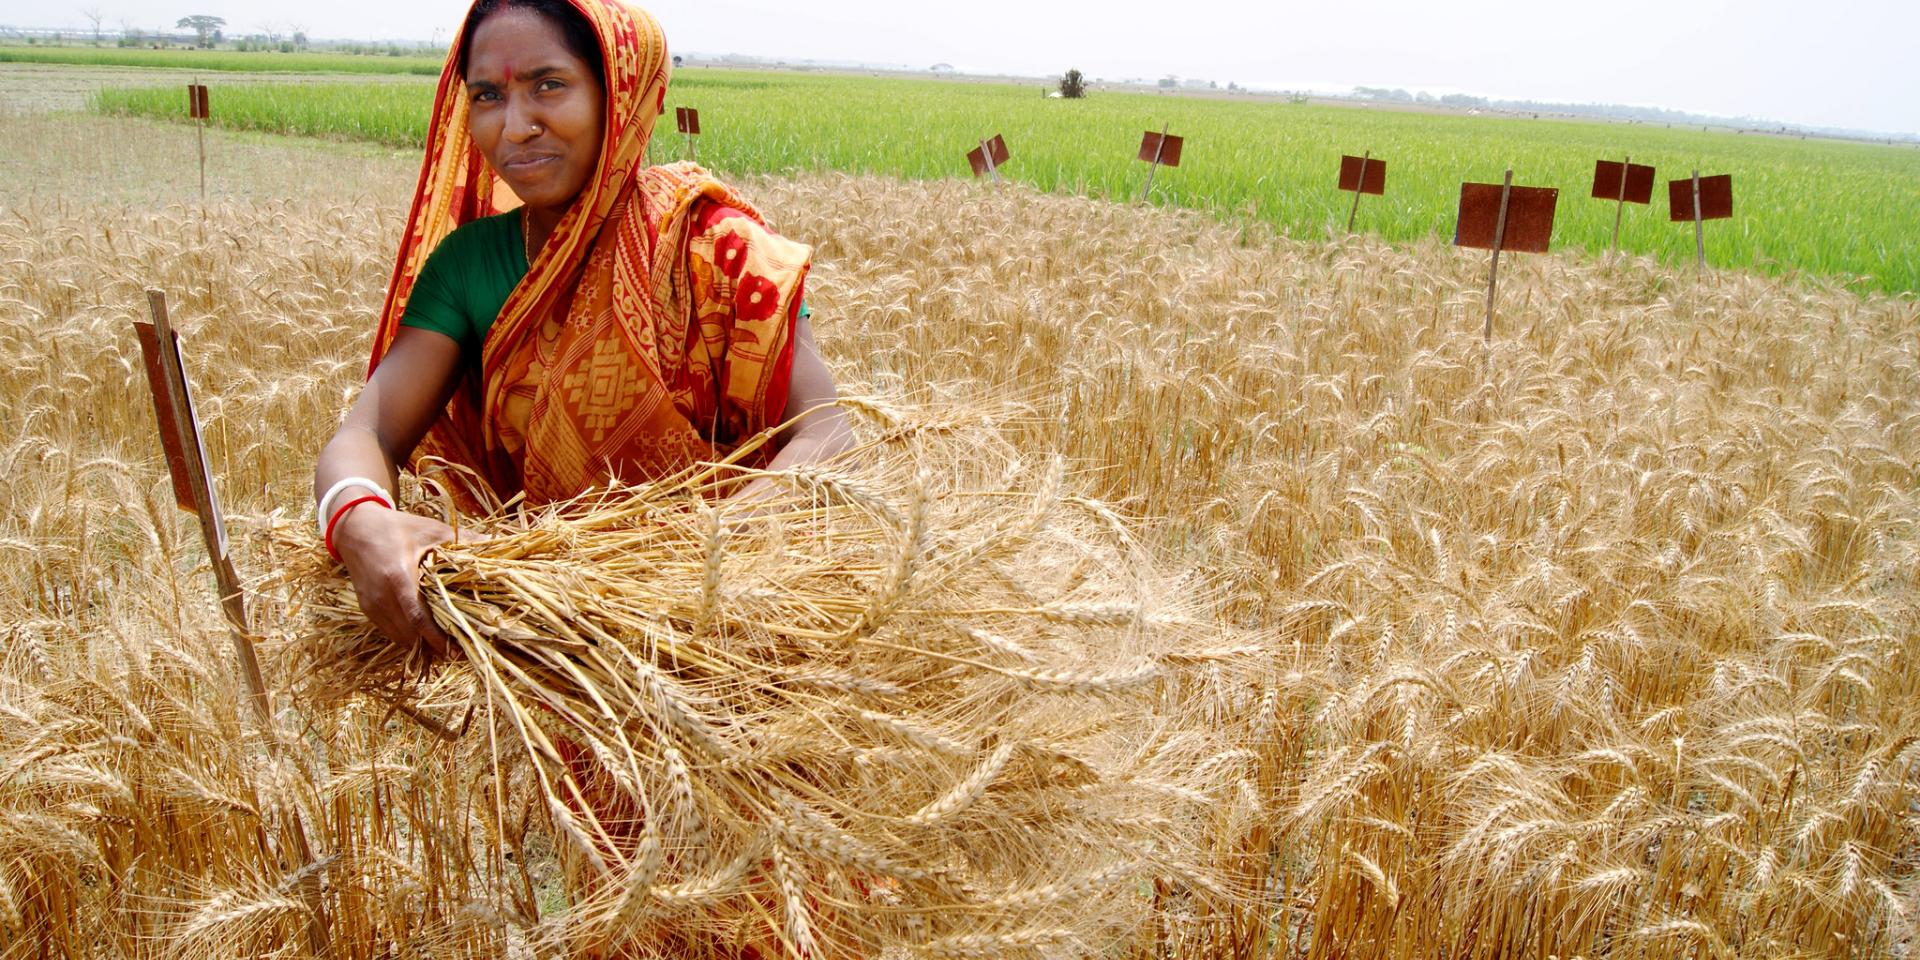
[(382, 549), (824, 433), (404, 397)]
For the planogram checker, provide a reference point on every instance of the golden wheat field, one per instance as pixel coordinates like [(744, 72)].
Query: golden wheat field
[(1598, 640)]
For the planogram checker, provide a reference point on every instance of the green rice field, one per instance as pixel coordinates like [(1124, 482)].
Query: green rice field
[(225, 60), (1834, 209)]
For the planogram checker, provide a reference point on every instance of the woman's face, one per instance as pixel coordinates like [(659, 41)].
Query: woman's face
[(537, 111)]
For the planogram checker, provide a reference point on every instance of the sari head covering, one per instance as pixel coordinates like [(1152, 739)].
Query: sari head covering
[(653, 329)]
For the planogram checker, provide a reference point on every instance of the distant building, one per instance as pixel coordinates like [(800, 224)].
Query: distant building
[(941, 68)]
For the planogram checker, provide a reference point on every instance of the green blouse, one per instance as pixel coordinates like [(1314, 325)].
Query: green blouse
[(467, 279)]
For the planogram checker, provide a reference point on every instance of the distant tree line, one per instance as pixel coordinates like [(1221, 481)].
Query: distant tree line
[(208, 32), (1612, 111)]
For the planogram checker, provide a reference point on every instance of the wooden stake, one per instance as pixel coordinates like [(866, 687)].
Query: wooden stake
[(200, 127), (187, 461), (1154, 168), (1499, 238), (1699, 232), (1625, 165), (1358, 187), (688, 121)]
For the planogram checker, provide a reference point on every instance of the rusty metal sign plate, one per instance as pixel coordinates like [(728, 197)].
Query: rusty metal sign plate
[(1716, 198), (1364, 174), (179, 420), (1628, 182), (1164, 150), (170, 441), (1529, 217), (689, 120), (198, 107), (978, 160)]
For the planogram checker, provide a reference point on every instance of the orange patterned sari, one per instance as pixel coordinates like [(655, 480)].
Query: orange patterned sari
[(653, 330)]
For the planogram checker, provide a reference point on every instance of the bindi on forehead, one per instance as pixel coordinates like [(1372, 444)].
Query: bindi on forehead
[(509, 74)]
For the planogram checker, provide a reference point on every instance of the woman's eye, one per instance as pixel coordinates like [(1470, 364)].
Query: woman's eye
[(485, 96), (549, 84)]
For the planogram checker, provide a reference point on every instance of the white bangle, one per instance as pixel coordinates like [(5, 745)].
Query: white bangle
[(326, 502)]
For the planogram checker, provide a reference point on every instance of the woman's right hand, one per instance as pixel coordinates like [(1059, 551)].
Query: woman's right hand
[(383, 550)]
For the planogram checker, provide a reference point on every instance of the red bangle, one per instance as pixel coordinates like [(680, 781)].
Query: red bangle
[(337, 514)]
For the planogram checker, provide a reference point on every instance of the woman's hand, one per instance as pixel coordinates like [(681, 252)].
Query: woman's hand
[(383, 550)]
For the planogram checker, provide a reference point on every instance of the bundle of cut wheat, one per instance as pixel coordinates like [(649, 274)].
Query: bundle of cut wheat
[(909, 701)]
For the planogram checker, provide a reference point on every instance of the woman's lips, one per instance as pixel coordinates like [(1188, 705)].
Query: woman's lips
[(528, 165)]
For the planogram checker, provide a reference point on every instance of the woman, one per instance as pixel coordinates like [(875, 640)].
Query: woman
[(561, 314)]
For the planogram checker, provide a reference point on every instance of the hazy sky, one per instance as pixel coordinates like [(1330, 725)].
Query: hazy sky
[(1843, 63)]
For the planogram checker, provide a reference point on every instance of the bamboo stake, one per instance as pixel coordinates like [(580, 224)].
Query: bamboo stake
[(1621, 206), (1499, 238), (1699, 231), (200, 128), (986, 153), (1358, 186), (1154, 168)]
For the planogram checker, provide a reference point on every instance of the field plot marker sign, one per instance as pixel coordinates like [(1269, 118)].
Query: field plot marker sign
[(1623, 182), (1157, 149), (199, 110), (193, 490), (689, 121), (1362, 174), (1700, 199), (1500, 217), (987, 158), (193, 479)]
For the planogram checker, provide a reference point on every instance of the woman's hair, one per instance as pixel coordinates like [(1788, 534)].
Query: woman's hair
[(582, 40)]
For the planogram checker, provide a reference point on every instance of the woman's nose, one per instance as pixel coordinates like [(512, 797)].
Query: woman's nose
[(522, 125)]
